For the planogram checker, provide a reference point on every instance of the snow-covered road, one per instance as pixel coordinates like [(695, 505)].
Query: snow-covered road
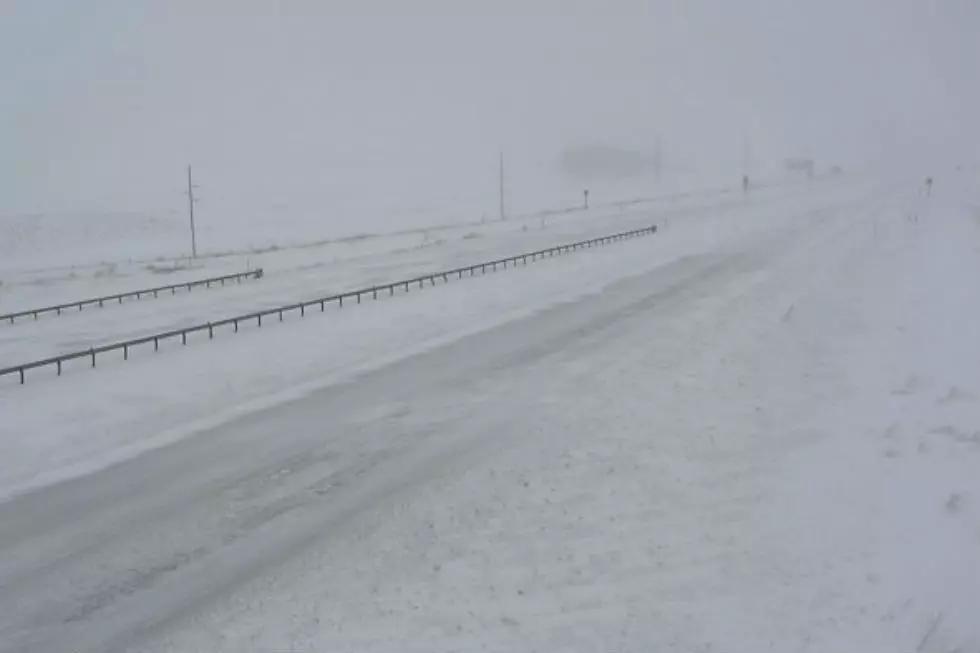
[(767, 442)]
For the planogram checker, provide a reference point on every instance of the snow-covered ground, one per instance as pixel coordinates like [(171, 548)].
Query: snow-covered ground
[(83, 244), (757, 430), (313, 270), (70, 425)]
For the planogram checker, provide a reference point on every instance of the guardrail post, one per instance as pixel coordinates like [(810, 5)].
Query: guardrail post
[(235, 323), (59, 310), (421, 281), (391, 290), (322, 306), (183, 337), (210, 331), (35, 316), (138, 296), (125, 352), (280, 316), (156, 343), (79, 307), (375, 293), (302, 310), (92, 351), (59, 367), (341, 301), (358, 298), (21, 370)]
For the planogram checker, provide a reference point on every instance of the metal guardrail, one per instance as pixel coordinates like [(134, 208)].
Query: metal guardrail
[(138, 294), (321, 303)]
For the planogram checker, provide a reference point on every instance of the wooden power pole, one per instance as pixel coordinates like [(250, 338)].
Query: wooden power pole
[(190, 206), (503, 211)]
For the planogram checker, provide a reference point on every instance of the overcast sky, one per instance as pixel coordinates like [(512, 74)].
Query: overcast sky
[(103, 102)]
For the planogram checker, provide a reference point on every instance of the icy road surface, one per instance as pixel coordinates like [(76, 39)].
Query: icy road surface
[(768, 444)]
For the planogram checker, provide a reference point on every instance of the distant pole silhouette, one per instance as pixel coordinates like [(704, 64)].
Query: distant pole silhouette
[(190, 206), (658, 159), (746, 156), (503, 212)]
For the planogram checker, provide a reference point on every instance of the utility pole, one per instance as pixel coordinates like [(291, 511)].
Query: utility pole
[(190, 206), (746, 156), (658, 159), (503, 212)]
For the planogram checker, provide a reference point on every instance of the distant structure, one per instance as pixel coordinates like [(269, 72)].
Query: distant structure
[(600, 163), (800, 166)]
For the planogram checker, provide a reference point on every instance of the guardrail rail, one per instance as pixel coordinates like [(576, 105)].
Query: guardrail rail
[(238, 277), (321, 303)]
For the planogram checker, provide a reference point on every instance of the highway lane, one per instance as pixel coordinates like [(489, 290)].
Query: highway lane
[(111, 560)]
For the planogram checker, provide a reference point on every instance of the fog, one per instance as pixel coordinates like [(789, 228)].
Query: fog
[(350, 112)]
